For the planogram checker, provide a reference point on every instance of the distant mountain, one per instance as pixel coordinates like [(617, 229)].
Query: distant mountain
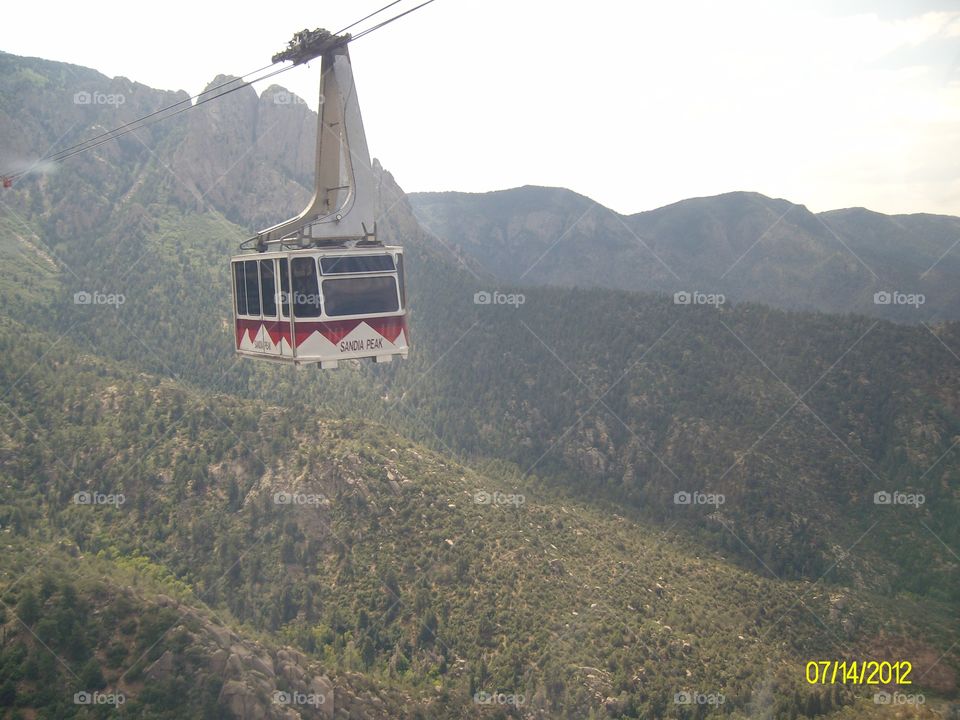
[(743, 245)]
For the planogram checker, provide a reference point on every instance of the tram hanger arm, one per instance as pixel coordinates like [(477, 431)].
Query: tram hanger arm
[(343, 197)]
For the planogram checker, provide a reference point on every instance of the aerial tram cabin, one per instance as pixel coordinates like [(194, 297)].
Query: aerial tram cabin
[(321, 305), (320, 287)]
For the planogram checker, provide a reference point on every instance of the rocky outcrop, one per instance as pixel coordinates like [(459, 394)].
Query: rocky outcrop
[(260, 682)]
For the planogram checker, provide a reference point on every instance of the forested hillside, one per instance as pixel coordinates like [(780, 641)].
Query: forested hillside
[(193, 552)]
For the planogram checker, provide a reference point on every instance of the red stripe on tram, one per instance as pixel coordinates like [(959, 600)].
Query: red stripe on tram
[(333, 330)]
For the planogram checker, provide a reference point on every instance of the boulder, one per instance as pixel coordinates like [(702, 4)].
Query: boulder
[(161, 669), (234, 666), (261, 664), (221, 635), (218, 661), (293, 674), (321, 685), (241, 701)]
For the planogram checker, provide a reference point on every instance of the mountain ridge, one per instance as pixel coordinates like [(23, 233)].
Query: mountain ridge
[(530, 187), (741, 244)]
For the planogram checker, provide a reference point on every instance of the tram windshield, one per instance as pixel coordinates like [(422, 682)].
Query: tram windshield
[(360, 296)]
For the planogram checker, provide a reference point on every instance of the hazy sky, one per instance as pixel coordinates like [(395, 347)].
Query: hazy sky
[(635, 104)]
